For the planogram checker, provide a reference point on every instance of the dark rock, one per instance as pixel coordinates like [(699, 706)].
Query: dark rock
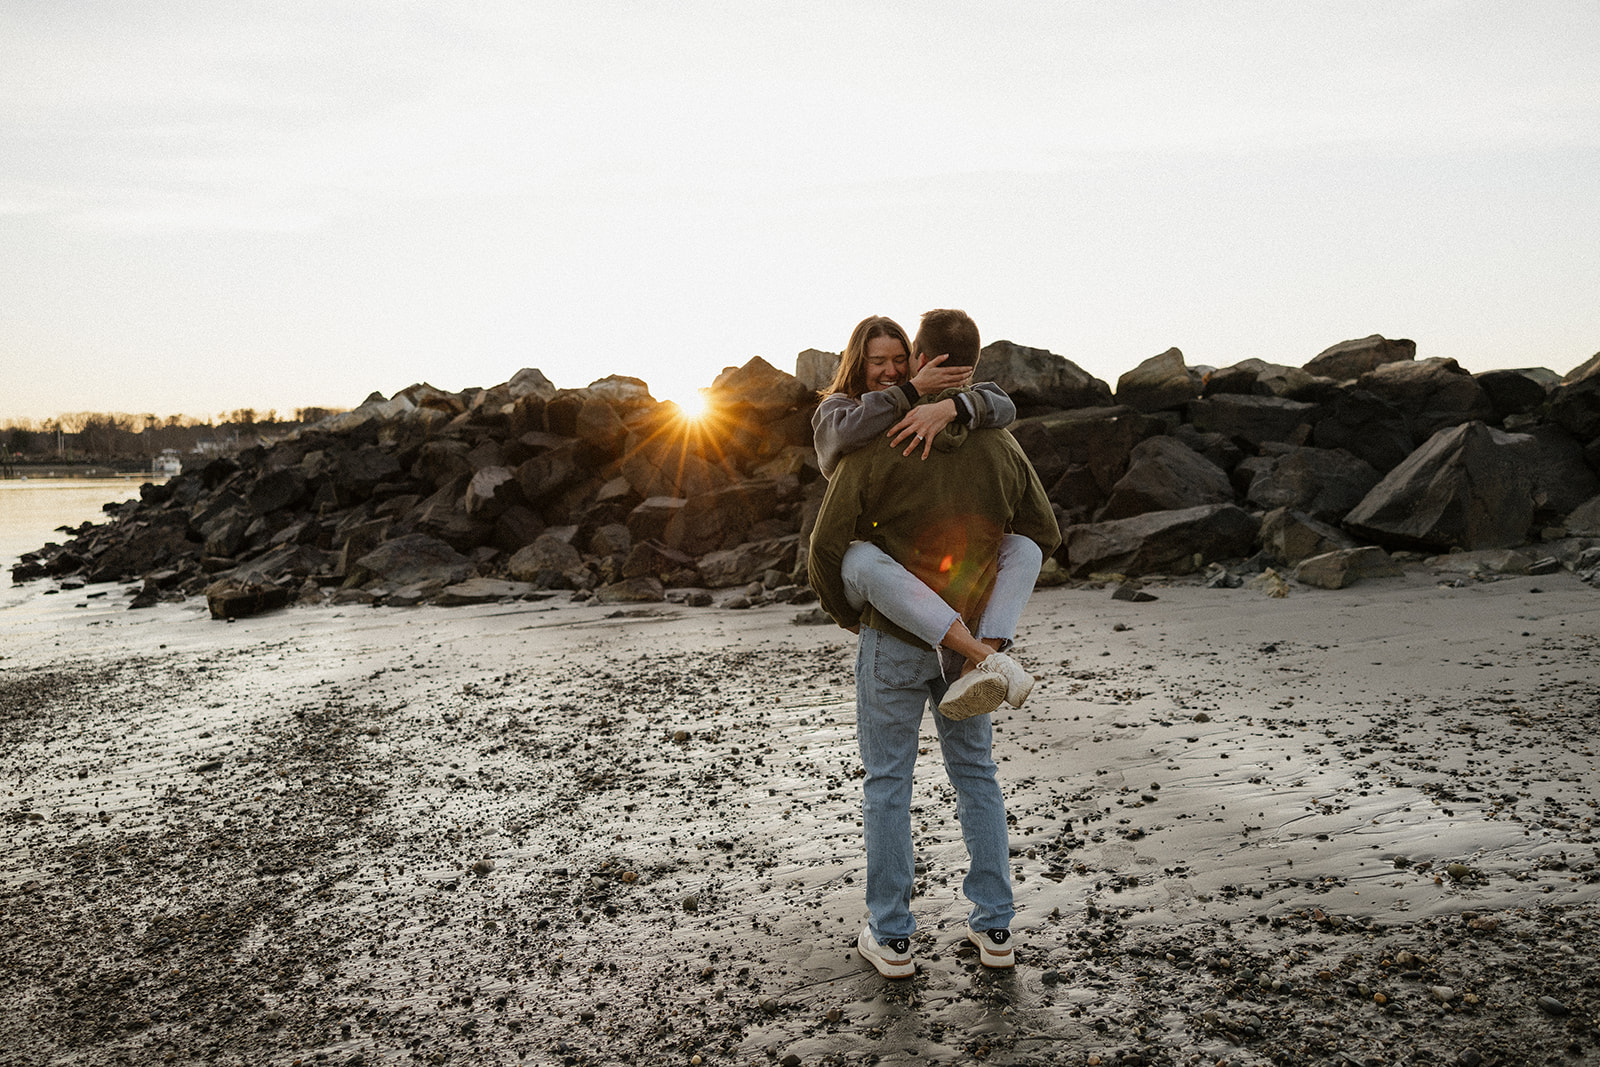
[(1352, 359), (642, 590), (1584, 520), (548, 563), (549, 472), (1517, 392), (1575, 403), (1166, 475), (1039, 381), (1049, 460), (1253, 420), (1160, 383), (719, 519), (661, 462), (1132, 593), (1433, 394), (1174, 542), (1326, 483), (600, 427), (491, 492), (1463, 489), (515, 527), (611, 539), (411, 559), (1562, 477), (655, 559), (1289, 536), (482, 591), (530, 382), (747, 562), (1366, 426), (1100, 439), (232, 600), (649, 521), (276, 490), (1218, 448)]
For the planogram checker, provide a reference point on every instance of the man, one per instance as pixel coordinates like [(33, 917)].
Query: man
[(942, 520)]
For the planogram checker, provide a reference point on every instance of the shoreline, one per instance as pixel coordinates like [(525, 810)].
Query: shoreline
[(1238, 822)]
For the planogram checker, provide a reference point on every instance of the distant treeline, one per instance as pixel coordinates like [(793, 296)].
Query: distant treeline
[(108, 436)]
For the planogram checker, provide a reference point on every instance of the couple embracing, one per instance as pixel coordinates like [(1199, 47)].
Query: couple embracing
[(931, 563)]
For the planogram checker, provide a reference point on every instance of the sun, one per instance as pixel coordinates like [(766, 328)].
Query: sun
[(692, 405)]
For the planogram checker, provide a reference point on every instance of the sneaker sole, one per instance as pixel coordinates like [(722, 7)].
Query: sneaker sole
[(1022, 696), (982, 697), (889, 968), (989, 957)]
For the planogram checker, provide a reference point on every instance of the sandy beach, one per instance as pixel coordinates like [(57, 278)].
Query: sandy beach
[(1351, 827)]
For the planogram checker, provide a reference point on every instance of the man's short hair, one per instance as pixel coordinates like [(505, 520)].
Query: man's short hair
[(946, 331)]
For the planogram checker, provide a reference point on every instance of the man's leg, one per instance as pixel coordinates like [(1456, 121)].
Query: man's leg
[(892, 690), (982, 810)]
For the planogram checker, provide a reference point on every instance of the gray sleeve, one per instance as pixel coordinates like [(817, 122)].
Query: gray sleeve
[(841, 425), (995, 408)]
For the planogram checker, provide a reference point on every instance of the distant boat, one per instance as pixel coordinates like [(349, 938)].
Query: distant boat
[(167, 463)]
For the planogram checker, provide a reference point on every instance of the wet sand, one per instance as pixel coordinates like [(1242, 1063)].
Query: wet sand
[(1339, 827)]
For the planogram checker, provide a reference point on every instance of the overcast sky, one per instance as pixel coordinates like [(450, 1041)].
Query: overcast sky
[(207, 206)]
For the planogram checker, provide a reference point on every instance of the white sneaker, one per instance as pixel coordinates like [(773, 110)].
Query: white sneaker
[(1019, 680), (892, 960), (978, 692), (994, 947)]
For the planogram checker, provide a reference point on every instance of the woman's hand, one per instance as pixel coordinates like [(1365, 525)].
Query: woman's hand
[(935, 378), (920, 424)]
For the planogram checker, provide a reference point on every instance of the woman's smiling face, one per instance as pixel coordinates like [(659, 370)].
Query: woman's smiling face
[(888, 363)]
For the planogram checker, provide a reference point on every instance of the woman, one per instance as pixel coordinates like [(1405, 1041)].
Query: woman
[(874, 395)]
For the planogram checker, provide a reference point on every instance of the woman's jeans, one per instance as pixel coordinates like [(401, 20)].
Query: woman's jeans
[(894, 682), (871, 576)]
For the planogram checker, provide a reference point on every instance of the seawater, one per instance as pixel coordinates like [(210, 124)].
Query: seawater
[(31, 509)]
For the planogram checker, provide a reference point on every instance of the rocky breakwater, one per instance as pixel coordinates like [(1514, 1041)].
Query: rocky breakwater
[(1327, 471)]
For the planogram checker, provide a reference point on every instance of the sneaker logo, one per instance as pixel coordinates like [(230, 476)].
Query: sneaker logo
[(900, 944), (999, 937)]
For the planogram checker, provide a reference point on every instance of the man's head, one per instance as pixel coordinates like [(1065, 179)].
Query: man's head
[(945, 331)]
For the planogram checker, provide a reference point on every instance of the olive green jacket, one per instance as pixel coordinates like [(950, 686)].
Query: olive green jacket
[(941, 518)]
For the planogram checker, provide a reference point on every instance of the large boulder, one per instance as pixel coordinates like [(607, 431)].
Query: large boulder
[(722, 518), (1325, 483), (1352, 359), (659, 462), (600, 427), (548, 563), (747, 562), (1100, 439), (491, 491), (760, 386), (530, 382), (1038, 380), (1562, 478), (1160, 383), (1367, 427), (411, 560), (1433, 394), (1517, 392), (1166, 475), (1253, 420), (1584, 520), (276, 490), (1575, 403), (1169, 542), (816, 368), (1465, 488)]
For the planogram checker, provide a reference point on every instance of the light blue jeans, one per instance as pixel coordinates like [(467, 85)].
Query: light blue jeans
[(871, 576), (894, 683)]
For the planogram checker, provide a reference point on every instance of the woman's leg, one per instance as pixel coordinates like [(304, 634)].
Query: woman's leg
[(872, 576), (1016, 571)]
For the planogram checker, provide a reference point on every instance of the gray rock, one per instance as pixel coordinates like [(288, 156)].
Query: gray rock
[(620, 392), (482, 591), (1490, 560), (761, 386), (1160, 383), (1325, 483), (1562, 477), (1367, 427), (816, 368), (276, 490), (1432, 393), (1166, 475), (1038, 380), (1351, 359), (491, 491), (1335, 570), (1100, 439), (645, 590), (747, 562), (1253, 420), (548, 473), (1289, 536), (1463, 489), (656, 559), (1575, 403), (1517, 392), (1584, 520), (720, 519), (547, 563), (530, 382), (600, 427), (410, 559), (1173, 542)]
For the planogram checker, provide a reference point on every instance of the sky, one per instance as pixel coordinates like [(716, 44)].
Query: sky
[(207, 206)]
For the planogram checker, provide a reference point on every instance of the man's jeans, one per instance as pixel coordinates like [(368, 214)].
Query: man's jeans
[(894, 682)]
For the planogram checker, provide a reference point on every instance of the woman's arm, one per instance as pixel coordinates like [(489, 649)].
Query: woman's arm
[(992, 406), (842, 425)]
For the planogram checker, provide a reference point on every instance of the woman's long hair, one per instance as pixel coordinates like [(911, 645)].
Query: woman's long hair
[(851, 377)]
